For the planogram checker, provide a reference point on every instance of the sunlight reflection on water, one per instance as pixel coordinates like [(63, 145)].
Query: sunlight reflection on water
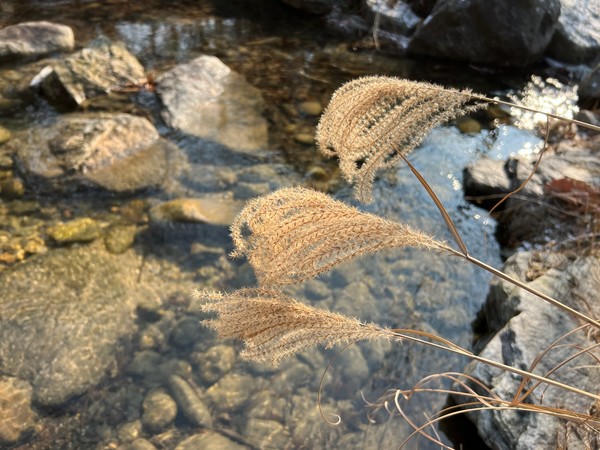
[(548, 95)]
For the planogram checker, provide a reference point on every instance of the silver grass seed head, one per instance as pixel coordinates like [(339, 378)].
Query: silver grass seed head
[(371, 121), (295, 234)]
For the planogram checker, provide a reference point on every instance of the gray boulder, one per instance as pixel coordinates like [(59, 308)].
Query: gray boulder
[(568, 179), (525, 326), (64, 316), (397, 17), (589, 88), (205, 98), (319, 6), (117, 152), (577, 38), (93, 71), (34, 39), (486, 181), (479, 31)]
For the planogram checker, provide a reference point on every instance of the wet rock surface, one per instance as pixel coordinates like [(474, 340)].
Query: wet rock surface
[(63, 318), (93, 71), (567, 178), (552, 216), (210, 209), (34, 39), (517, 319), (483, 32), (15, 409), (319, 6), (589, 89), (397, 17), (577, 37), (116, 152), (205, 98)]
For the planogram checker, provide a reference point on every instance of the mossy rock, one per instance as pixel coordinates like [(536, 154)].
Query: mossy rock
[(78, 230)]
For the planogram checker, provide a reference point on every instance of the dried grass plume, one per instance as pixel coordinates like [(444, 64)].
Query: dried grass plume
[(275, 326), (295, 234), (370, 121)]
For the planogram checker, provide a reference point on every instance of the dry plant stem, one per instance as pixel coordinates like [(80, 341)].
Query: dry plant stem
[(496, 101), (525, 108), (526, 287), (480, 403), (534, 170), (407, 334), (440, 206), (554, 369), (465, 254)]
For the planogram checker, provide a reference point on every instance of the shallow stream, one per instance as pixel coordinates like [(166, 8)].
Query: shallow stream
[(292, 59)]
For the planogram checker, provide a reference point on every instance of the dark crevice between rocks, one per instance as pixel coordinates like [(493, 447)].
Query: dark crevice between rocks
[(461, 431)]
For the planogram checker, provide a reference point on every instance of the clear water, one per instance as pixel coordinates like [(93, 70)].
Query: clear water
[(291, 58)]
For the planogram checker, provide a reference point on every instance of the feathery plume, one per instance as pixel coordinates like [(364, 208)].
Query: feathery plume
[(275, 326), (294, 234), (370, 121)]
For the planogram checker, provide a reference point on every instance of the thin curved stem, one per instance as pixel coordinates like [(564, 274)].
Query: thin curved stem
[(407, 335), (526, 287), (526, 108)]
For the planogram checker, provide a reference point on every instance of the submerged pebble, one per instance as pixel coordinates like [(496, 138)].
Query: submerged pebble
[(11, 188), (213, 364), (141, 444), (15, 409), (5, 135), (266, 433), (159, 411), (79, 230), (189, 402), (119, 238), (209, 441), (232, 391), (129, 431), (310, 108)]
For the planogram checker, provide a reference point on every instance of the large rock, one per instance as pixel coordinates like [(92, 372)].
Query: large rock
[(486, 181), (568, 179), (480, 31), (205, 98), (34, 39), (92, 71), (64, 316), (525, 326), (117, 152), (577, 38), (319, 6), (589, 89), (397, 17)]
